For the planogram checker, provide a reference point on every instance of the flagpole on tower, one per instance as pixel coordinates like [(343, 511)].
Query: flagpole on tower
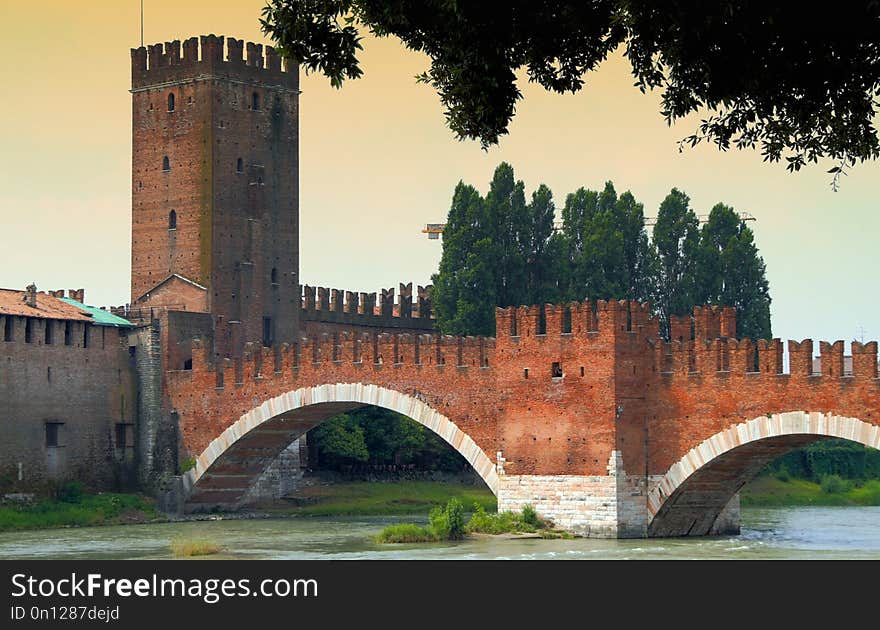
[(142, 23)]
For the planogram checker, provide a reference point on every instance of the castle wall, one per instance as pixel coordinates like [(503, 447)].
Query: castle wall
[(85, 391)]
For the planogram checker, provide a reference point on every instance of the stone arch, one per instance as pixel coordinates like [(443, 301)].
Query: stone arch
[(761, 440), (332, 396)]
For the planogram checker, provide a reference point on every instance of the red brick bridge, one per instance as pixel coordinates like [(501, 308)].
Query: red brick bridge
[(580, 410)]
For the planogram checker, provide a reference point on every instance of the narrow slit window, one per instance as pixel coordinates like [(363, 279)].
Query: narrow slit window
[(87, 333), (255, 101), (53, 434), (67, 334), (172, 220), (239, 165), (268, 331), (49, 333), (171, 102), (274, 276), (7, 329), (28, 330), (525, 372), (166, 163)]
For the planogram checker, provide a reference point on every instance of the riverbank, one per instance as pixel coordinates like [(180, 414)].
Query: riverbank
[(109, 508), (770, 491), (370, 498)]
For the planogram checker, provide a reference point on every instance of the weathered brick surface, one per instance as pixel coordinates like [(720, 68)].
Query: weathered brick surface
[(88, 389)]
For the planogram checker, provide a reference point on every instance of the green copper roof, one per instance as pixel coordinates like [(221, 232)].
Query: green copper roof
[(100, 317)]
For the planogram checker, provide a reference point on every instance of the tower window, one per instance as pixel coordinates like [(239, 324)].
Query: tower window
[(268, 331), (7, 329), (53, 430), (28, 330), (255, 101), (166, 164), (274, 276), (172, 220), (49, 330), (67, 334), (86, 335), (171, 102), (239, 165)]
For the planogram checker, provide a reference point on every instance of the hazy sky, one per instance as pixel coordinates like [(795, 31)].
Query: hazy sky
[(377, 163)]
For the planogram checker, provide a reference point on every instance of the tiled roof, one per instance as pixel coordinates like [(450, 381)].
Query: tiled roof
[(48, 307)]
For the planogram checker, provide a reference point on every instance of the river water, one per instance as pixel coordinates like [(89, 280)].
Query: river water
[(767, 533)]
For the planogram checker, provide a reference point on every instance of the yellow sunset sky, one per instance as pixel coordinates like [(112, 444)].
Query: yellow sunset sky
[(377, 163)]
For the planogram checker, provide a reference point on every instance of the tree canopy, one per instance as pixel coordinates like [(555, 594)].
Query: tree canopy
[(499, 250), (798, 82)]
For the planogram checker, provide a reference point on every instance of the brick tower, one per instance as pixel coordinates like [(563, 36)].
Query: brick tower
[(215, 190)]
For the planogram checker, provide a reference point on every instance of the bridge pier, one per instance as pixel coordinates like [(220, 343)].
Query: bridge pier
[(600, 506)]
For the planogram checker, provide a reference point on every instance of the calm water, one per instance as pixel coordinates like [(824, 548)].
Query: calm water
[(790, 533)]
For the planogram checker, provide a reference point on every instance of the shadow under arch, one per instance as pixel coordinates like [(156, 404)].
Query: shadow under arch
[(692, 494), (225, 470)]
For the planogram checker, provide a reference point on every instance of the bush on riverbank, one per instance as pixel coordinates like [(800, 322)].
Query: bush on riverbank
[(75, 509), (526, 521), (447, 523)]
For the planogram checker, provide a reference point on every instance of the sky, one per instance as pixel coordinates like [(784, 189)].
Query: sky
[(377, 163)]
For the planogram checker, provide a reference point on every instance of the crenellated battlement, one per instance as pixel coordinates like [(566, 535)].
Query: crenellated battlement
[(349, 348), (336, 306), (589, 320), (211, 55)]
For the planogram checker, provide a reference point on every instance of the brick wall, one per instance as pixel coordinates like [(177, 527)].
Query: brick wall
[(85, 390)]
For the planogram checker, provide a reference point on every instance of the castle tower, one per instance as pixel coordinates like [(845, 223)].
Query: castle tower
[(215, 186)]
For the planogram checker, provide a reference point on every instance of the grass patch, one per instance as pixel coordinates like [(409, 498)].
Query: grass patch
[(190, 548), (76, 511), (405, 533), (525, 522), (771, 491), (363, 498)]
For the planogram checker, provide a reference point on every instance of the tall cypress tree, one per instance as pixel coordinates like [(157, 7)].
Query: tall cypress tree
[(677, 240), (463, 291), (508, 218), (540, 253), (731, 273)]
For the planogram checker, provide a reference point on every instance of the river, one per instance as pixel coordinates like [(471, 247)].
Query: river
[(767, 533)]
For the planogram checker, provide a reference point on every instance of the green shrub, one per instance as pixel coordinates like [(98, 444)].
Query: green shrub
[(448, 522), (530, 517), (70, 492), (527, 521), (187, 465), (835, 484), (783, 475), (405, 533)]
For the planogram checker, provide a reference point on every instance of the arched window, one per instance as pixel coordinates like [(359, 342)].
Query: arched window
[(255, 101), (172, 220), (239, 165), (274, 276), (166, 164), (171, 102)]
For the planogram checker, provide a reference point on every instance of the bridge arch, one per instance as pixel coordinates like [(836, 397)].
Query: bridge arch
[(227, 467), (694, 491)]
